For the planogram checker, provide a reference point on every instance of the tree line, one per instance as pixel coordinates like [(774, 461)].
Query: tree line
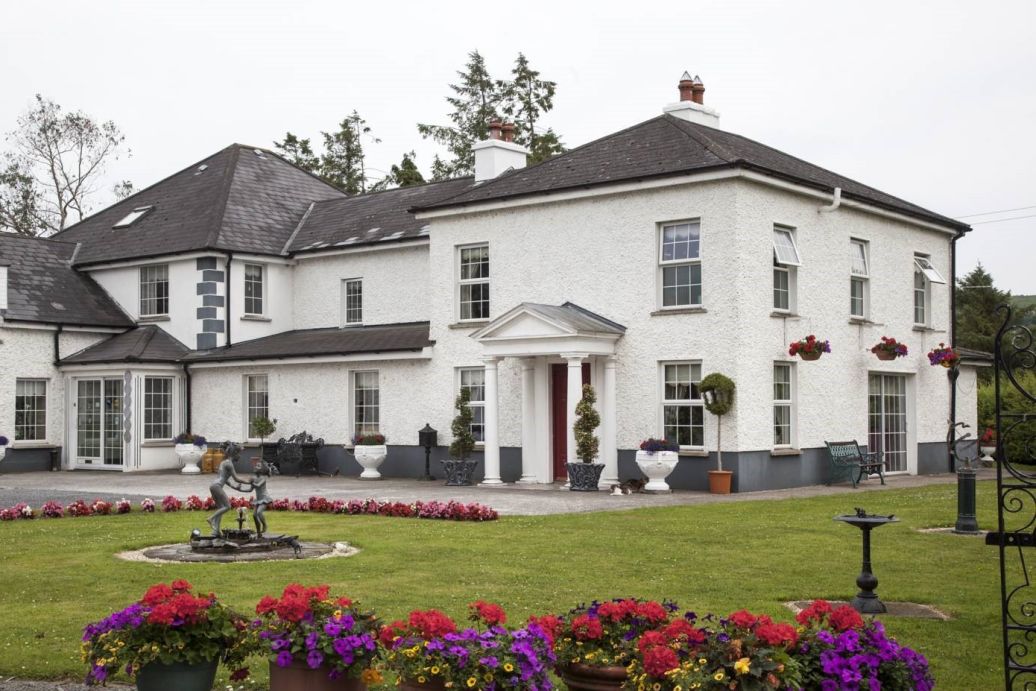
[(55, 159)]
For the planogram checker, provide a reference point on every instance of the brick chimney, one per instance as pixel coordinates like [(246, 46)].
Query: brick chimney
[(691, 106), (499, 153)]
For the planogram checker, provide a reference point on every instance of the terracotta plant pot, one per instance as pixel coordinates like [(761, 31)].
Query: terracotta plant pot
[(810, 357), (587, 678), (298, 676), (719, 481), (411, 685), (885, 355)]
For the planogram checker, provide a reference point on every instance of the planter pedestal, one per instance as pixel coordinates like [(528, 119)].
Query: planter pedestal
[(584, 477), (719, 481), (181, 676), (657, 466), (587, 678), (458, 473), (370, 457), (298, 676), (189, 455)]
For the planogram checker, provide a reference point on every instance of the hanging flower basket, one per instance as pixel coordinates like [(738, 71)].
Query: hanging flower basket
[(944, 355), (889, 349), (809, 348)]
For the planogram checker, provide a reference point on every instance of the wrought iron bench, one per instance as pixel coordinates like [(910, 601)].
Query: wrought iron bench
[(298, 452), (847, 459)]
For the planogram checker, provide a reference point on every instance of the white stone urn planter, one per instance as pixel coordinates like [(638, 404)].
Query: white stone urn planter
[(657, 466), (370, 456), (190, 455), (988, 453)]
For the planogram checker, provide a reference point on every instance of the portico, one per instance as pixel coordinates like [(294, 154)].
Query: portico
[(560, 347)]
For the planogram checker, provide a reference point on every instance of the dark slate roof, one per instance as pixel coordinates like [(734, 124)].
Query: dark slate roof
[(669, 146), (241, 201), (574, 317), (145, 344), (42, 287), (974, 356), (371, 218), (315, 342)]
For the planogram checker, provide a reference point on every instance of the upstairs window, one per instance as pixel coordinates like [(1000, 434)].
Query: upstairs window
[(785, 263), (352, 301), (680, 264), (474, 283), (154, 290), (133, 216), (859, 279), (254, 289), (924, 276)]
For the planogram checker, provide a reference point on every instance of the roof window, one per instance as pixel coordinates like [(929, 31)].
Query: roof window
[(133, 216)]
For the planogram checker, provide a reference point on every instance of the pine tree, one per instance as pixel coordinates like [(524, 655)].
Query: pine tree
[(587, 420), (342, 163), (405, 174), (977, 319), (525, 98), (475, 102), (299, 152)]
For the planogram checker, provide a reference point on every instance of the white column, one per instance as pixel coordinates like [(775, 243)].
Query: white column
[(575, 393), (609, 452), (528, 420), (491, 433), (544, 451)]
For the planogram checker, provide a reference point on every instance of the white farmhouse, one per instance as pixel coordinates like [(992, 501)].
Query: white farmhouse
[(242, 287)]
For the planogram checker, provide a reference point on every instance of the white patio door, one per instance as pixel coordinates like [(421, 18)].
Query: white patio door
[(99, 422), (887, 420)]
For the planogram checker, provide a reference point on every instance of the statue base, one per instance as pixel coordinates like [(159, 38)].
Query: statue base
[(238, 541)]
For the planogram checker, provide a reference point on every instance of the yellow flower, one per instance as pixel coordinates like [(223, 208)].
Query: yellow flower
[(471, 682), (718, 676), (508, 667), (421, 678), (434, 670), (702, 661), (742, 666), (371, 677)]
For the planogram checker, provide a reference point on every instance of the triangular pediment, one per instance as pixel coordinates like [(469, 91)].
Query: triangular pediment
[(521, 323)]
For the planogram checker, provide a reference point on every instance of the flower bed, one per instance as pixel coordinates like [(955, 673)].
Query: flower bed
[(447, 511)]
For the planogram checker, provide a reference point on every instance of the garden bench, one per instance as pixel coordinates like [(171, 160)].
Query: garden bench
[(298, 452), (847, 459)]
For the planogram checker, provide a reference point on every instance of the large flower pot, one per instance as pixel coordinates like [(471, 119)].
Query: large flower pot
[(181, 676), (370, 457), (458, 473), (885, 355), (298, 676), (584, 477), (587, 678), (988, 455), (657, 466), (189, 455), (430, 685), (719, 481)]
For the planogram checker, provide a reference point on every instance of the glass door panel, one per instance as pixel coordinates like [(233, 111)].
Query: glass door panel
[(887, 420), (99, 421), (113, 422)]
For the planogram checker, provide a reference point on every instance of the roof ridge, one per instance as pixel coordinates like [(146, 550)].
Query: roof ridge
[(296, 167), (221, 205), (48, 238), (149, 334), (427, 183), (710, 145), (146, 189)]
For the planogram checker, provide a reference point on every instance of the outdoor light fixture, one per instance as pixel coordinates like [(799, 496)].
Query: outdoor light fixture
[(427, 438), (709, 396)]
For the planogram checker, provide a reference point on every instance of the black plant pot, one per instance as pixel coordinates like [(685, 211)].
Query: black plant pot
[(458, 473), (583, 477)]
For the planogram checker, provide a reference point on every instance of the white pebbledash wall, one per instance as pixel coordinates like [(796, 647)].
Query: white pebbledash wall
[(123, 285)]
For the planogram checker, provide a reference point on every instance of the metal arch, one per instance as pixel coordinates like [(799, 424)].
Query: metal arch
[(1014, 353)]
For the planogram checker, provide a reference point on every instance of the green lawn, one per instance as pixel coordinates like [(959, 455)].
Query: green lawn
[(58, 575)]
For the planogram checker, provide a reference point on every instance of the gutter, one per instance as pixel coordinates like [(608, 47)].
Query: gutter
[(57, 344), (226, 308), (953, 331), (187, 397)]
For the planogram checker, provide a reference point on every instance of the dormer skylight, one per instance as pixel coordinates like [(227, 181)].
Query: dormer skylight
[(133, 216)]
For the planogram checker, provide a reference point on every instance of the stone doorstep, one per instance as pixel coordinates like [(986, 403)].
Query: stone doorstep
[(909, 610)]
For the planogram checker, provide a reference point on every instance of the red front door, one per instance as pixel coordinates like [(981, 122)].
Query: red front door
[(559, 415)]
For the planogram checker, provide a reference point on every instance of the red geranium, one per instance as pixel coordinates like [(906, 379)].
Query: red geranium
[(845, 618), (743, 619), (487, 612), (587, 628), (431, 623), (550, 625), (776, 634), (659, 659)]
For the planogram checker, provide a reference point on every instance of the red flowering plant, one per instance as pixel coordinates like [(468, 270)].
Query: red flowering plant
[(605, 634), (168, 624), (890, 347), (809, 347), (943, 355), (306, 625), (742, 651), (428, 647), (838, 650), (988, 437)]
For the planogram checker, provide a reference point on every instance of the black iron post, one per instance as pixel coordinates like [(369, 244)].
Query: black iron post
[(967, 521), (427, 438)]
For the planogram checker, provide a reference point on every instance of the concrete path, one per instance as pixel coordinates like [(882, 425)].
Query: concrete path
[(511, 499)]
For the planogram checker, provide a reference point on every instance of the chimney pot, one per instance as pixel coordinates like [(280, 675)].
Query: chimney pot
[(686, 85), (698, 90), (508, 131), (494, 129)]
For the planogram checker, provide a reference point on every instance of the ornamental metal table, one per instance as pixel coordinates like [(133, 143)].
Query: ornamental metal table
[(867, 601)]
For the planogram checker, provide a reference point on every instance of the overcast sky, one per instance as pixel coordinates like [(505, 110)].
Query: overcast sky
[(930, 101)]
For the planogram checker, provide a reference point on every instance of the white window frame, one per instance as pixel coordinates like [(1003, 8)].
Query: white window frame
[(261, 297), (133, 216), (165, 431), (691, 402), (36, 412), (785, 403), (691, 262), (146, 279), (481, 280), (365, 426), (347, 311), (859, 277), (786, 260), (260, 410), (922, 302), (477, 405), (924, 264)]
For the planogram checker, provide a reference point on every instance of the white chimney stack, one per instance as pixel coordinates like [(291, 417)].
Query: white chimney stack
[(499, 153), (691, 106)]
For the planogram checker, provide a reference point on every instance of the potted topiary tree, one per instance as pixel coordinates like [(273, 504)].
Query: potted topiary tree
[(718, 392), (459, 468), (585, 475), (263, 427)]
